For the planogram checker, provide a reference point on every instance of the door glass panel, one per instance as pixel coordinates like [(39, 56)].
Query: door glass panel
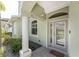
[(60, 33)]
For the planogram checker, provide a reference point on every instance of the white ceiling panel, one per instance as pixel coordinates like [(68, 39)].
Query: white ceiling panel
[(51, 6)]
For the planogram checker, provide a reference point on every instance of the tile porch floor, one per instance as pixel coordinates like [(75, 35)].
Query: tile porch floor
[(38, 52), (42, 52)]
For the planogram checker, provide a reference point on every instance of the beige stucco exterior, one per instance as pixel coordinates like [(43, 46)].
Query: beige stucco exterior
[(16, 26), (74, 28), (41, 31)]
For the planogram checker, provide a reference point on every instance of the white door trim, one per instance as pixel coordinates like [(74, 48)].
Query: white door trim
[(54, 20)]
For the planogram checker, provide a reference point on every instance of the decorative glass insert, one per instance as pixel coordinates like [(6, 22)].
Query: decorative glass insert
[(51, 33), (60, 33)]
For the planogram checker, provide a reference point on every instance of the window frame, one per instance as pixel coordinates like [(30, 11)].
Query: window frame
[(34, 35)]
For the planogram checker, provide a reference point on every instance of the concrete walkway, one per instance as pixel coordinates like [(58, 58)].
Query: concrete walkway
[(42, 52)]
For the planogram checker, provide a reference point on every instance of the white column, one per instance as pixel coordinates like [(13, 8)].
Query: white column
[(24, 33), (25, 52)]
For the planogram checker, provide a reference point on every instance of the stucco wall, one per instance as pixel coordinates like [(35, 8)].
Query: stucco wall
[(27, 7), (74, 28), (43, 28), (39, 15), (41, 25), (17, 28)]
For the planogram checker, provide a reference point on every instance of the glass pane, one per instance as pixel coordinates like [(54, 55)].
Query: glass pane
[(51, 33), (34, 31), (60, 33), (34, 25)]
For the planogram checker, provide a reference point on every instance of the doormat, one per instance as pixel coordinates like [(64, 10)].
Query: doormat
[(57, 53), (33, 46)]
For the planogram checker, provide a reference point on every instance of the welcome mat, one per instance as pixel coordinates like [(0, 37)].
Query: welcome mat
[(33, 46), (57, 53)]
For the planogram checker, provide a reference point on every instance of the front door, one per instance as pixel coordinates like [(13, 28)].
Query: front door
[(60, 34)]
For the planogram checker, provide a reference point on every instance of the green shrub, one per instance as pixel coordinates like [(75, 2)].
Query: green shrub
[(8, 33), (7, 37), (16, 45)]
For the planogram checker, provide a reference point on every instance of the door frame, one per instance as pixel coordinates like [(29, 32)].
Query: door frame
[(53, 32)]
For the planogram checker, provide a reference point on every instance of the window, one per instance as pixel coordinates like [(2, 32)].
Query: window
[(34, 27)]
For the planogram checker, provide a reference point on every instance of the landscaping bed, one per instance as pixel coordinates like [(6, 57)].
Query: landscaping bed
[(16, 45)]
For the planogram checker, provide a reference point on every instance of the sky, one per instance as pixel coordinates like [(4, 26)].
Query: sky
[(11, 8)]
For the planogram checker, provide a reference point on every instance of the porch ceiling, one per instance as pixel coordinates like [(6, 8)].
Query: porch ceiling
[(50, 6)]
